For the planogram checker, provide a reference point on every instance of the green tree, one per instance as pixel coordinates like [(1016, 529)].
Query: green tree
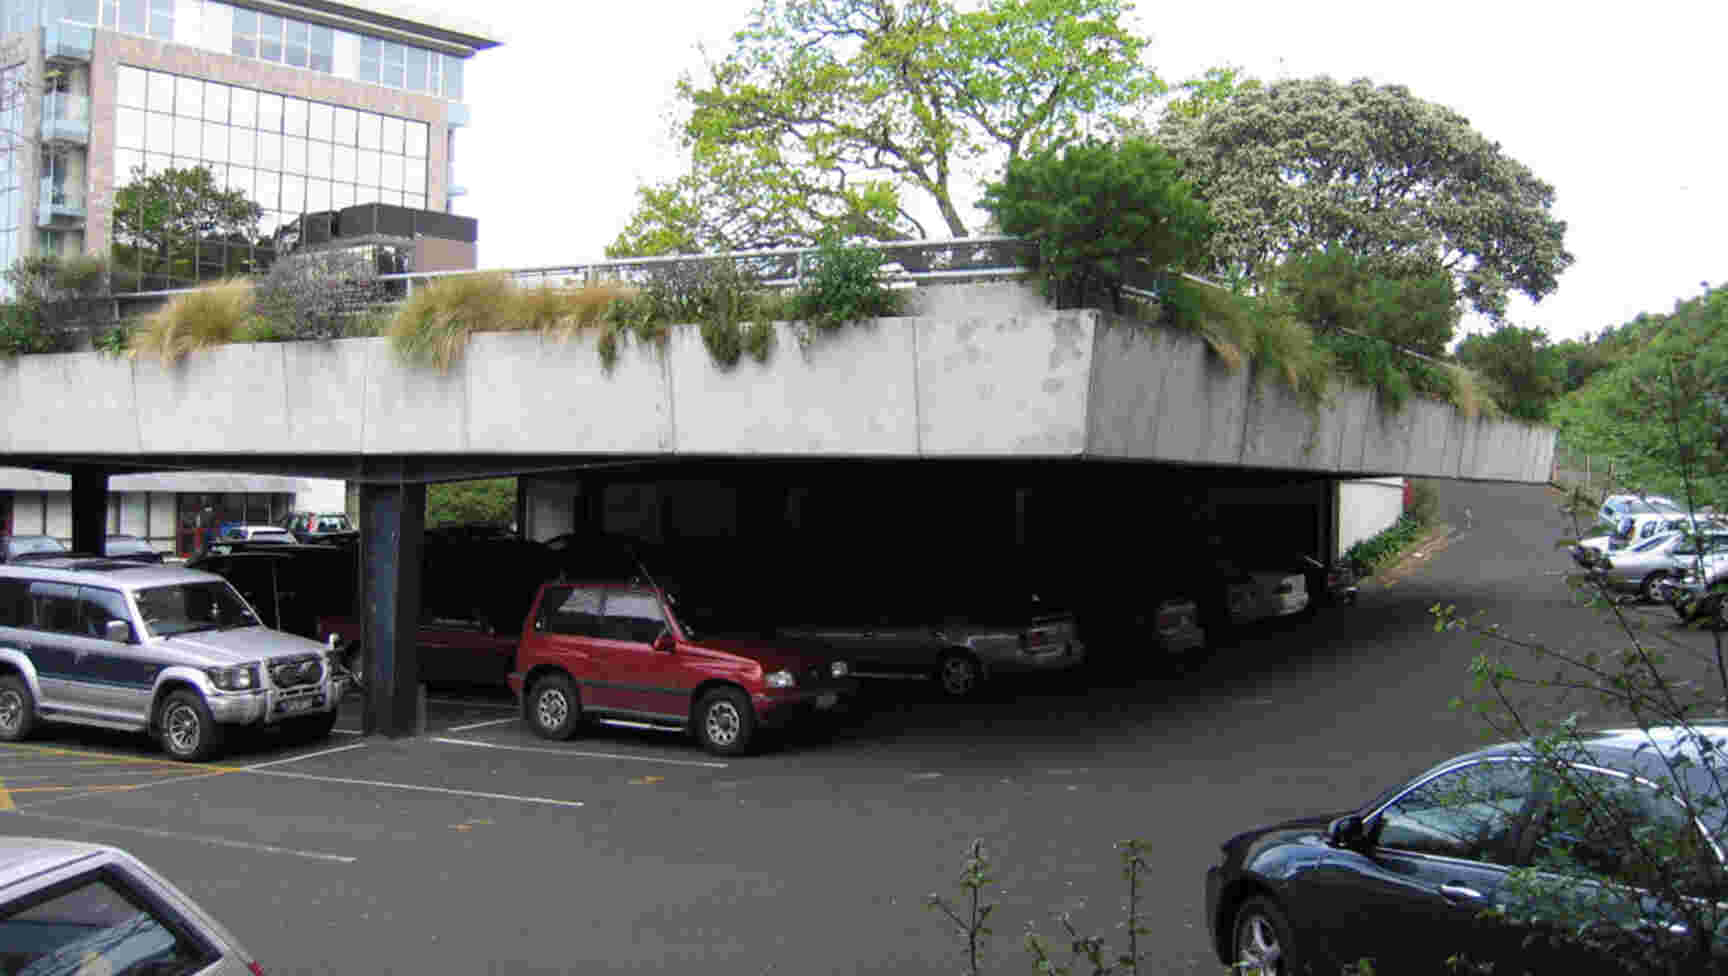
[(1097, 210), (164, 215), (842, 118), (491, 500), (1525, 372), (1207, 91), (1662, 412), (1334, 290), (1303, 165)]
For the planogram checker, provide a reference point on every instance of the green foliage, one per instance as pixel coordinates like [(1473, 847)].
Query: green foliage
[(491, 500), (22, 332), (212, 316), (167, 212), (970, 917), (841, 118), (1387, 546), (1099, 212), (1405, 303), (1659, 412), (1208, 91), (1525, 372), (840, 286), (1302, 165), (113, 342)]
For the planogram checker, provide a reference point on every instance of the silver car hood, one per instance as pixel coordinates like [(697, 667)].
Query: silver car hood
[(216, 648)]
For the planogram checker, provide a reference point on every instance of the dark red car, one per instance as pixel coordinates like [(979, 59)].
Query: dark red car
[(619, 653)]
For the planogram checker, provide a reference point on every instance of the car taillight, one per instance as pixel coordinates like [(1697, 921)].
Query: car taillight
[(255, 969)]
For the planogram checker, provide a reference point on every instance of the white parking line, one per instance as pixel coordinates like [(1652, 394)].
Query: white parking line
[(381, 784), (579, 755), (480, 725), (197, 838), (293, 759), (471, 704)]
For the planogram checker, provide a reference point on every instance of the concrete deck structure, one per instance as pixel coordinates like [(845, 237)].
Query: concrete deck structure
[(982, 371)]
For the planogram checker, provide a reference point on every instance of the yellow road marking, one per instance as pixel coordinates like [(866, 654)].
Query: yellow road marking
[(105, 757)]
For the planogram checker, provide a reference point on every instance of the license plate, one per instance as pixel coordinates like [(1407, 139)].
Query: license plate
[(827, 699), (293, 705)]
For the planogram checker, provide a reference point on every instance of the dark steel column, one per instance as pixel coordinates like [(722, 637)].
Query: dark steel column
[(392, 525), (89, 511)]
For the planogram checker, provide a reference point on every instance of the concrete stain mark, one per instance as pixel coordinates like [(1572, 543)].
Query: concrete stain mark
[(1053, 386), (1069, 336)]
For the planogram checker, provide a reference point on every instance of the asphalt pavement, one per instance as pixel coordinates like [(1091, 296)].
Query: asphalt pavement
[(481, 849)]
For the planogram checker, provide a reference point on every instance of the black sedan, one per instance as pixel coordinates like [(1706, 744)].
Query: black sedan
[(1481, 858)]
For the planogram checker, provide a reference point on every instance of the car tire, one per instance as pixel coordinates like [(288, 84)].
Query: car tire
[(1260, 942), (310, 728), (186, 728), (959, 674), (725, 723), (1647, 589), (17, 708), (554, 707)]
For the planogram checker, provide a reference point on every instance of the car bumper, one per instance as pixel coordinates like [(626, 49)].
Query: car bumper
[(273, 705), (780, 706), (1070, 654), (1214, 889), (1285, 604)]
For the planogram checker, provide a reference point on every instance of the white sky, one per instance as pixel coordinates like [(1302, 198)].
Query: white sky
[(1616, 107)]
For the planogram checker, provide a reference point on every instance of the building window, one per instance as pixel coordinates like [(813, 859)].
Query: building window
[(245, 33)]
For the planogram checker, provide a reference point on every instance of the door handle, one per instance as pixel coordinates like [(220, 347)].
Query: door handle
[(1458, 892)]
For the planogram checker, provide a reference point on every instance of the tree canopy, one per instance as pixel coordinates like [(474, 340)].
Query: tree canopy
[(1303, 165), (166, 212), (1526, 374), (853, 118)]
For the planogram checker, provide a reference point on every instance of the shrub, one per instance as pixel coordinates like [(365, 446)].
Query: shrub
[(212, 316), (22, 332), (1384, 548), (841, 286), (1098, 210), (318, 294)]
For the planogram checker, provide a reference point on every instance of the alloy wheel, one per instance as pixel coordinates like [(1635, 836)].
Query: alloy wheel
[(1257, 950), (959, 675), (11, 711), (722, 723), (552, 709), (184, 729)]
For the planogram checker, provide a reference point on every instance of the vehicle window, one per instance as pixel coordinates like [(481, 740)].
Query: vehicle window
[(1469, 813), (633, 615), (14, 603), (96, 926), (1596, 821), (332, 525), (573, 610), (1652, 545), (189, 607), (97, 607), (54, 606)]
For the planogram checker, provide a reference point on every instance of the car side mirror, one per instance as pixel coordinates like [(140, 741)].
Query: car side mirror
[(117, 631), (1347, 832), (663, 642)]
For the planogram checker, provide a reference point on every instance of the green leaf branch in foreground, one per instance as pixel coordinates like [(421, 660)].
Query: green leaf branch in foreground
[(858, 118)]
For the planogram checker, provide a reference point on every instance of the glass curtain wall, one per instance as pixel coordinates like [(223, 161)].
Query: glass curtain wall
[(295, 158), (13, 166)]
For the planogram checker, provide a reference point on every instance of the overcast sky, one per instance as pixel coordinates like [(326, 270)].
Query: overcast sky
[(1617, 108)]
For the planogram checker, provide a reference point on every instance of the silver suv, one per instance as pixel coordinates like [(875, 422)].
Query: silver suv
[(170, 651)]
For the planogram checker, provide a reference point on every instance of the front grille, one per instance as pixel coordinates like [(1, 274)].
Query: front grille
[(292, 672)]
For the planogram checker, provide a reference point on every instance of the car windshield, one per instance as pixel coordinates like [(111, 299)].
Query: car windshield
[(21, 544), (191, 607), (328, 523)]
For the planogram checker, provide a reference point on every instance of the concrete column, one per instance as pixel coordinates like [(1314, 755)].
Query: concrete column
[(89, 511), (392, 527)]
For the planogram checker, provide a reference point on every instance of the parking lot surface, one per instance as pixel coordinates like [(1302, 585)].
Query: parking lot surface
[(478, 848)]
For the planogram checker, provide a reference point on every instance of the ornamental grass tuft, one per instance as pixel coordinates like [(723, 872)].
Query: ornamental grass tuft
[(213, 316)]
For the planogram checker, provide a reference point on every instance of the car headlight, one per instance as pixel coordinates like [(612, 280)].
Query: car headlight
[(839, 669), (781, 679), (243, 678)]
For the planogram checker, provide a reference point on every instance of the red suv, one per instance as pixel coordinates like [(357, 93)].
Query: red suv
[(618, 653)]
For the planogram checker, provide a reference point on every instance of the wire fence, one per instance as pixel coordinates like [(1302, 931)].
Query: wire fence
[(1575, 470)]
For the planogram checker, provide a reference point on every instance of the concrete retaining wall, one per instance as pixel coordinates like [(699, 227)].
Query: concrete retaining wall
[(995, 375)]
